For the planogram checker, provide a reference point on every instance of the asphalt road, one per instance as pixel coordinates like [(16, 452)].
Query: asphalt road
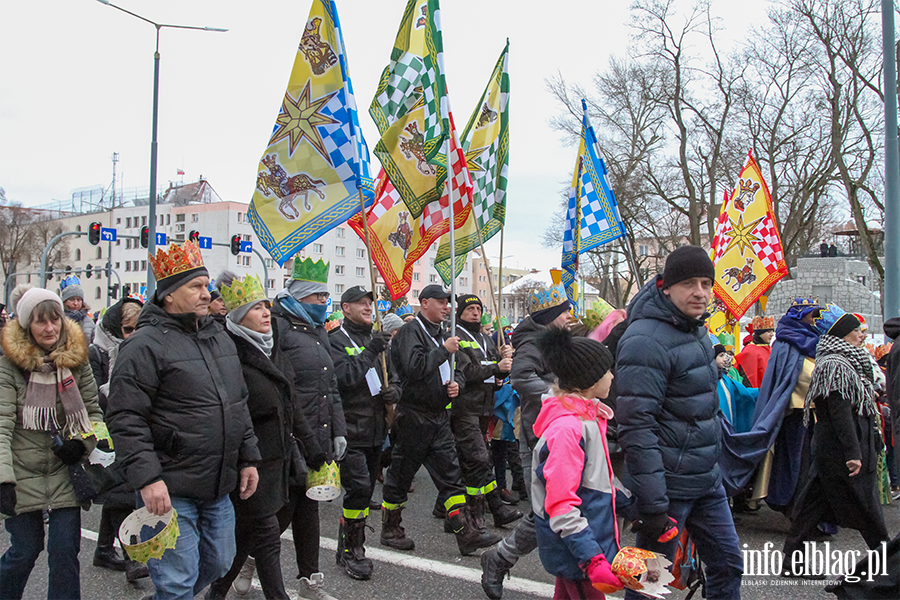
[(436, 571)]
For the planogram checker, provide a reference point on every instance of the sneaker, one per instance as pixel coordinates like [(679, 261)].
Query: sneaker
[(895, 493), (244, 580), (314, 588)]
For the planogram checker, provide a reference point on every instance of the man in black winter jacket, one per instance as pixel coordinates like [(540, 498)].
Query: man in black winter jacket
[(481, 364), (668, 421), (357, 352), (421, 353), (178, 417)]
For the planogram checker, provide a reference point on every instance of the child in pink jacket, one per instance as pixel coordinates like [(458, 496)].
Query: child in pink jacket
[(572, 490)]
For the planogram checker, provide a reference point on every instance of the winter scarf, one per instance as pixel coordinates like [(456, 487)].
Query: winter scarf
[(264, 341), (314, 314), (798, 334), (39, 412), (842, 367)]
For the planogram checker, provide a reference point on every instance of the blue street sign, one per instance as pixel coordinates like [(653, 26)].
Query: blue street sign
[(107, 234), (384, 305), (205, 243), (160, 239), (246, 246), (144, 289), (328, 305)]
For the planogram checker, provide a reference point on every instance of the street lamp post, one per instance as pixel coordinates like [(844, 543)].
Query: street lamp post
[(151, 246)]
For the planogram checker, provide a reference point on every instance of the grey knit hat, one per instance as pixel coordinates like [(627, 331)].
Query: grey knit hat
[(391, 322)]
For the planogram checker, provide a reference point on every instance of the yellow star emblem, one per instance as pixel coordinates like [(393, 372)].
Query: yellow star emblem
[(299, 120), (471, 163), (742, 236)]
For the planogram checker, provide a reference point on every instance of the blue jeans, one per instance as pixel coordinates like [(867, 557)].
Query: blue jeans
[(26, 536), (203, 553), (711, 527)]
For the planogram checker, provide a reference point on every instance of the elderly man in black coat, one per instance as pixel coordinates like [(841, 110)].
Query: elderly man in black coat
[(668, 421)]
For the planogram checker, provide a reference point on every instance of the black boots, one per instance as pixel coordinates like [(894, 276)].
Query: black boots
[(135, 570), (106, 557), (392, 533), (350, 551), (468, 538), (493, 569), (503, 514)]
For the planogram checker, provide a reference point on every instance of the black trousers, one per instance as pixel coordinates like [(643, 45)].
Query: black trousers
[(507, 453), (423, 440), (302, 514), (259, 537), (474, 455), (110, 520), (358, 471)]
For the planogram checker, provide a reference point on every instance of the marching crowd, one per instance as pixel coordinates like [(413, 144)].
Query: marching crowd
[(221, 406)]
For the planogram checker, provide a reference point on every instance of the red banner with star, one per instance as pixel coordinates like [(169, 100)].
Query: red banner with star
[(747, 247)]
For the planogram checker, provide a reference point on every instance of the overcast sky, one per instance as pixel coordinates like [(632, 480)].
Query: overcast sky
[(77, 80)]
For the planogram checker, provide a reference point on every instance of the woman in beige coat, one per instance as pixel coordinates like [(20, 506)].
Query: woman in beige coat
[(48, 401)]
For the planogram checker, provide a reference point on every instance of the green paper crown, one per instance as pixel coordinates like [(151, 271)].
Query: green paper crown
[(486, 319), (243, 292), (307, 270)]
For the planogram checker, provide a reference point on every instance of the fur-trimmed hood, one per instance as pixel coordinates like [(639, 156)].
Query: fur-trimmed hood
[(20, 351)]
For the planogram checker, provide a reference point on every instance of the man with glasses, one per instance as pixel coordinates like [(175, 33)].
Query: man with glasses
[(300, 310)]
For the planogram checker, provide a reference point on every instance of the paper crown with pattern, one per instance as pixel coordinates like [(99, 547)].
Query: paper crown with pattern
[(406, 309), (70, 280), (727, 340), (862, 321), (828, 316), (713, 339), (307, 270), (763, 323), (548, 297), (486, 319), (805, 303), (243, 292), (177, 260), (882, 350)]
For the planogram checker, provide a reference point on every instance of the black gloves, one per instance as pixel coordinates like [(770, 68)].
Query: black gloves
[(70, 452), (660, 527), (8, 499), (378, 343), (316, 461), (390, 394)]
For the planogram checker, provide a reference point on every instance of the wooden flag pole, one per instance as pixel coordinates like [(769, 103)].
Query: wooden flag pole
[(365, 220), (487, 265), (501, 336)]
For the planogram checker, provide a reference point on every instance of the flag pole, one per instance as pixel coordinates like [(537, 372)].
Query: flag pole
[(365, 220), (501, 336), (487, 265), (449, 184)]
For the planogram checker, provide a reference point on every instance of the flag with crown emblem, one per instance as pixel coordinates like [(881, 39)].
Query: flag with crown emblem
[(485, 143), (316, 162), (746, 248), (592, 213), (410, 109)]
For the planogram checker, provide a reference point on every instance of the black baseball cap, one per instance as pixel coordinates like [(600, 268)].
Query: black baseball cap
[(433, 291), (357, 292)]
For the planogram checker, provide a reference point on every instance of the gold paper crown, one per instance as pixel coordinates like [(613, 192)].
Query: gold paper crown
[(177, 260), (763, 323), (805, 302), (881, 350), (307, 270), (242, 292)]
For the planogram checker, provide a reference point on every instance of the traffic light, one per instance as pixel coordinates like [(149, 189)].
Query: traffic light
[(145, 236), (236, 244), (194, 235), (114, 291), (94, 233)]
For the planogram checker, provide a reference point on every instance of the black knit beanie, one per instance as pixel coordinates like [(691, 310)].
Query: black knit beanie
[(719, 349), (464, 301), (844, 325), (687, 262), (547, 315), (578, 362)]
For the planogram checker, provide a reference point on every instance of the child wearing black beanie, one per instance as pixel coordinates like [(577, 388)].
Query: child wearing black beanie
[(572, 473)]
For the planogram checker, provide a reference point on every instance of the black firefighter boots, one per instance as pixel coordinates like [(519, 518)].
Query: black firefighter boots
[(351, 553), (392, 533), (503, 514), (468, 538)]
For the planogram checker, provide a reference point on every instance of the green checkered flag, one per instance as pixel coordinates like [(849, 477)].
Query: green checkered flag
[(410, 108), (486, 144)]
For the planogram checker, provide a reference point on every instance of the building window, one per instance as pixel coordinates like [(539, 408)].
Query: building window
[(271, 284), (338, 269), (77, 254), (238, 260), (269, 264), (127, 265), (240, 217), (162, 220), (117, 264), (143, 265), (338, 250), (360, 253), (463, 281), (643, 250), (317, 248), (360, 272), (339, 288), (246, 260), (168, 219), (432, 279), (143, 221), (179, 237), (78, 228), (179, 227), (118, 220), (97, 294), (195, 218), (415, 276), (246, 237), (99, 252), (179, 218), (339, 232), (415, 293), (128, 223), (28, 279)]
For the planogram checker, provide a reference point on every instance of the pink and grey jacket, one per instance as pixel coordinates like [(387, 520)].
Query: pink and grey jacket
[(572, 487)]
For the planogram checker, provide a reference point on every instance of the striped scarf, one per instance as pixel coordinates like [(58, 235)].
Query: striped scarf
[(842, 367), (39, 412)]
